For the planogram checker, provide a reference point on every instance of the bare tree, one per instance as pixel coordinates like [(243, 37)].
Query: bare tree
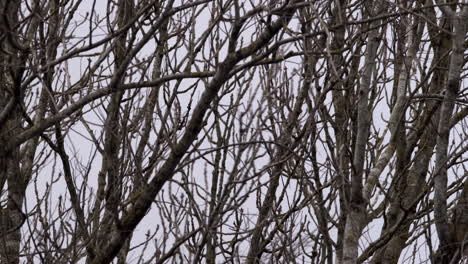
[(201, 131)]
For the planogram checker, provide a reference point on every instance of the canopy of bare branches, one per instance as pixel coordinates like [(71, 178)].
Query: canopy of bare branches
[(209, 131)]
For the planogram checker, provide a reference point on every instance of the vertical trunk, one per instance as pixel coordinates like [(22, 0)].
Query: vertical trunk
[(211, 227), (459, 23), (12, 217), (356, 217), (110, 173), (16, 165), (459, 220), (341, 108), (411, 190)]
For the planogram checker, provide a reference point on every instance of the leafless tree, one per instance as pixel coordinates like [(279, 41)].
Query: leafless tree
[(207, 131)]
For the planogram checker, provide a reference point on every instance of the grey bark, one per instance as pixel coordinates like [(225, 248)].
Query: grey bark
[(459, 23), (356, 217)]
